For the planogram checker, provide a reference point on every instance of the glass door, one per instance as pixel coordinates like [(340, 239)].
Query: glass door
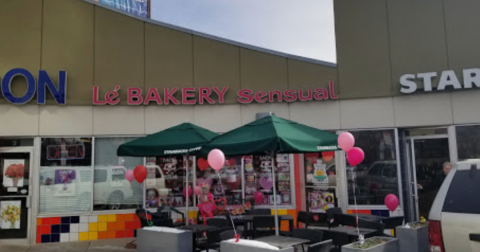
[(428, 159), (15, 191)]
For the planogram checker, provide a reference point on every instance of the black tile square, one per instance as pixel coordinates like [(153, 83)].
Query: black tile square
[(55, 238), (45, 238), (65, 228), (55, 229), (75, 219), (65, 220)]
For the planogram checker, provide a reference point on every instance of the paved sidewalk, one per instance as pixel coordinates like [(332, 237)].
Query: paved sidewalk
[(86, 246)]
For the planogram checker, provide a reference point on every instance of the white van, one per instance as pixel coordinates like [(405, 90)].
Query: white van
[(455, 214)]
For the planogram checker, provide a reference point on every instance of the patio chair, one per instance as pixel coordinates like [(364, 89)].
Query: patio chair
[(346, 220), (217, 222), (147, 218), (317, 220), (380, 227), (323, 246), (166, 212), (338, 240), (314, 236), (331, 218), (302, 217), (263, 226)]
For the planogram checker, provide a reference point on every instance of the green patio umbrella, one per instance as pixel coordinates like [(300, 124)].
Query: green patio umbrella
[(272, 135), (184, 139)]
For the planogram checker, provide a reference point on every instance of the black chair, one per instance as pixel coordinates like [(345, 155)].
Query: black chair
[(323, 246), (217, 222), (314, 236), (339, 239), (346, 220), (302, 217), (227, 235), (331, 218), (213, 239), (393, 222), (317, 220), (260, 211), (263, 226), (150, 219), (380, 227), (166, 212)]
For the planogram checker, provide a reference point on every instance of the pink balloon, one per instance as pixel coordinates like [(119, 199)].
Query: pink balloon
[(190, 191), (197, 190), (346, 141), (129, 176), (391, 201), (216, 159), (355, 156), (258, 196)]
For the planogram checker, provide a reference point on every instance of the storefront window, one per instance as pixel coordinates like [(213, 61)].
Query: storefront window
[(320, 178), (468, 142), (376, 176), (66, 175), (111, 190), (166, 180), (258, 177)]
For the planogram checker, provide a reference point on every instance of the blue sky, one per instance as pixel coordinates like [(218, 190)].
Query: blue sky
[(299, 27)]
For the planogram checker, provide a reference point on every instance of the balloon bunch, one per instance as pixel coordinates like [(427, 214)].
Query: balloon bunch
[(140, 174)]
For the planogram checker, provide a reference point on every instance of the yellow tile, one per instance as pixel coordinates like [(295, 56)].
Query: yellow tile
[(112, 218), (192, 214), (93, 227), (83, 236), (102, 226), (279, 211), (102, 218), (92, 235)]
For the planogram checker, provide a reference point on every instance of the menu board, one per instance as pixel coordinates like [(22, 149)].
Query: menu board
[(259, 178)]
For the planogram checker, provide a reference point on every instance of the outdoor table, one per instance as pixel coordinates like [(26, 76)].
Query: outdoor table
[(369, 217), (282, 241)]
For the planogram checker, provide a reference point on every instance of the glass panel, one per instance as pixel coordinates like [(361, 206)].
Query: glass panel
[(376, 176), (111, 189), (65, 175), (430, 155), (165, 181), (426, 132), (468, 142)]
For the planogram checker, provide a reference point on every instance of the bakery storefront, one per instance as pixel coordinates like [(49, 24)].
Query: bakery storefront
[(71, 93)]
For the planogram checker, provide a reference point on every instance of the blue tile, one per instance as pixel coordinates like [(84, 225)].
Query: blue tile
[(65, 220), (55, 238), (45, 238), (55, 229), (75, 219), (376, 212), (65, 228)]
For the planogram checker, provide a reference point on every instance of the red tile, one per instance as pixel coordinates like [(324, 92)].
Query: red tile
[(39, 230), (111, 235), (46, 221), (136, 218), (39, 239), (129, 234), (46, 229), (137, 225), (56, 220), (120, 234), (130, 225)]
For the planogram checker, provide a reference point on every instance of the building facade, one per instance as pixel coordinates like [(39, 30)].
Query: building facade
[(79, 79)]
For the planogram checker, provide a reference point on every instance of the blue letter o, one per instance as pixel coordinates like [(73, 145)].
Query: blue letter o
[(7, 81)]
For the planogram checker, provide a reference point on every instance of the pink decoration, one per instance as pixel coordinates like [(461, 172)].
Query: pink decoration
[(391, 201), (346, 141), (266, 183), (216, 159), (208, 181), (197, 190), (355, 156), (190, 192), (202, 164), (258, 196), (129, 176), (315, 218)]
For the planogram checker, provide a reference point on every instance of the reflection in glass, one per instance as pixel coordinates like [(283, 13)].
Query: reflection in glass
[(376, 176), (468, 142)]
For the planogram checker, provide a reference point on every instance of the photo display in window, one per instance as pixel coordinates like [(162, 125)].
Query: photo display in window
[(166, 181), (258, 177), (320, 168), (227, 183), (319, 200)]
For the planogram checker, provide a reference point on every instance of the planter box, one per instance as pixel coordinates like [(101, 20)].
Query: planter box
[(413, 239), (249, 246), (391, 245), (163, 239)]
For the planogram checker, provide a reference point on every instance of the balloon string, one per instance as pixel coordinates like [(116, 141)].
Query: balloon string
[(355, 200), (225, 197)]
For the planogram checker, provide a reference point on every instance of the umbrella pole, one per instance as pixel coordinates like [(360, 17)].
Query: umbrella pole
[(185, 164), (277, 230)]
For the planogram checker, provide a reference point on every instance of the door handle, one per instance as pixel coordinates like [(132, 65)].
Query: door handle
[(475, 237)]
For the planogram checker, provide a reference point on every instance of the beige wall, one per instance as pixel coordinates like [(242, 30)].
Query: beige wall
[(100, 47), (380, 40)]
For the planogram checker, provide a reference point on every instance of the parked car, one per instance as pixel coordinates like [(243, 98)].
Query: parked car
[(455, 214)]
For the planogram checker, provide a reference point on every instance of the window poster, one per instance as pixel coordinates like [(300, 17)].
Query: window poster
[(319, 200), (65, 182), (13, 172), (10, 214)]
